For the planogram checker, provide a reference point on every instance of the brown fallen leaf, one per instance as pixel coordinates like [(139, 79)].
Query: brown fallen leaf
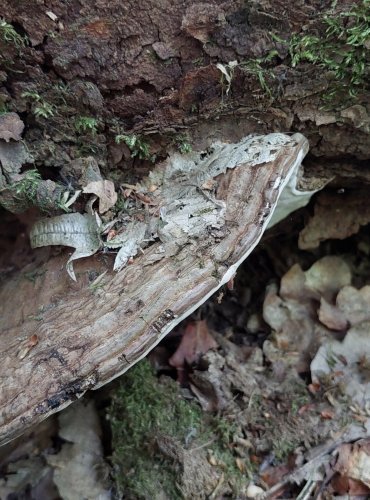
[(274, 475), (347, 486), (314, 387), (196, 341), (31, 342), (354, 304), (331, 316), (105, 191), (327, 415), (145, 199), (241, 465), (354, 461)]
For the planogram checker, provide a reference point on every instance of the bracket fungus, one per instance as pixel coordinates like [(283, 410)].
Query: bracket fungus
[(210, 210)]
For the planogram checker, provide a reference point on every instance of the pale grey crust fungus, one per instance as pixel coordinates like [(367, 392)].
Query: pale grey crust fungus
[(88, 337)]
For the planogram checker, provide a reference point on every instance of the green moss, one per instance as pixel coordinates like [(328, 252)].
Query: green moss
[(141, 409), (339, 45), (342, 50), (144, 408)]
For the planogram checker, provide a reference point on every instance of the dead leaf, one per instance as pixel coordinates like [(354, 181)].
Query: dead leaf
[(241, 465), (327, 415), (354, 304), (307, 407), (11, 127), (274, 475), (353, 461), (348, 487), (331, 316), (292, 313), (76, 230), (77, 465), (328, 275), (145, 199), (106, 193), (195, 341), (32, 341), (314, 388), (344, 361)]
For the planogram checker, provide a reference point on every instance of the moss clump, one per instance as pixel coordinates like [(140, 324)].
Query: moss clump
[(141, 409), (342, 49), (338, 44), (146, 411)]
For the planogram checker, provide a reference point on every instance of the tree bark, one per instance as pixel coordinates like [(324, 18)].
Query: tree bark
[(148, 69)]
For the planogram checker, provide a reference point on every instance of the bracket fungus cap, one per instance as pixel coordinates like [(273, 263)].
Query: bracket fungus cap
[(213, 208)]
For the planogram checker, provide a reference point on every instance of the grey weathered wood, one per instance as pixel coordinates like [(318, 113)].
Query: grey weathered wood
[(87, 337)]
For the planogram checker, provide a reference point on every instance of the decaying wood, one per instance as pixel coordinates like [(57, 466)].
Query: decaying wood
[(69, 337)]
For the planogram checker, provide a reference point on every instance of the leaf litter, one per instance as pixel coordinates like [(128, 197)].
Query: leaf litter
[(297, 408)]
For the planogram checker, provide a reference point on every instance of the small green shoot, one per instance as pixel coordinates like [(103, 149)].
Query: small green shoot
[(256, 67), (66, 200), (9, 35), (62, 90), (44, 110), (40, 107), (87, 148), (183, 144), (84, 124), (27, 187), (36, 317), (136, 145), (35, 96)]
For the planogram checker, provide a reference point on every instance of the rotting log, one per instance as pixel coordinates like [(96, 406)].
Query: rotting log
[(61, 338), (150, 71)]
